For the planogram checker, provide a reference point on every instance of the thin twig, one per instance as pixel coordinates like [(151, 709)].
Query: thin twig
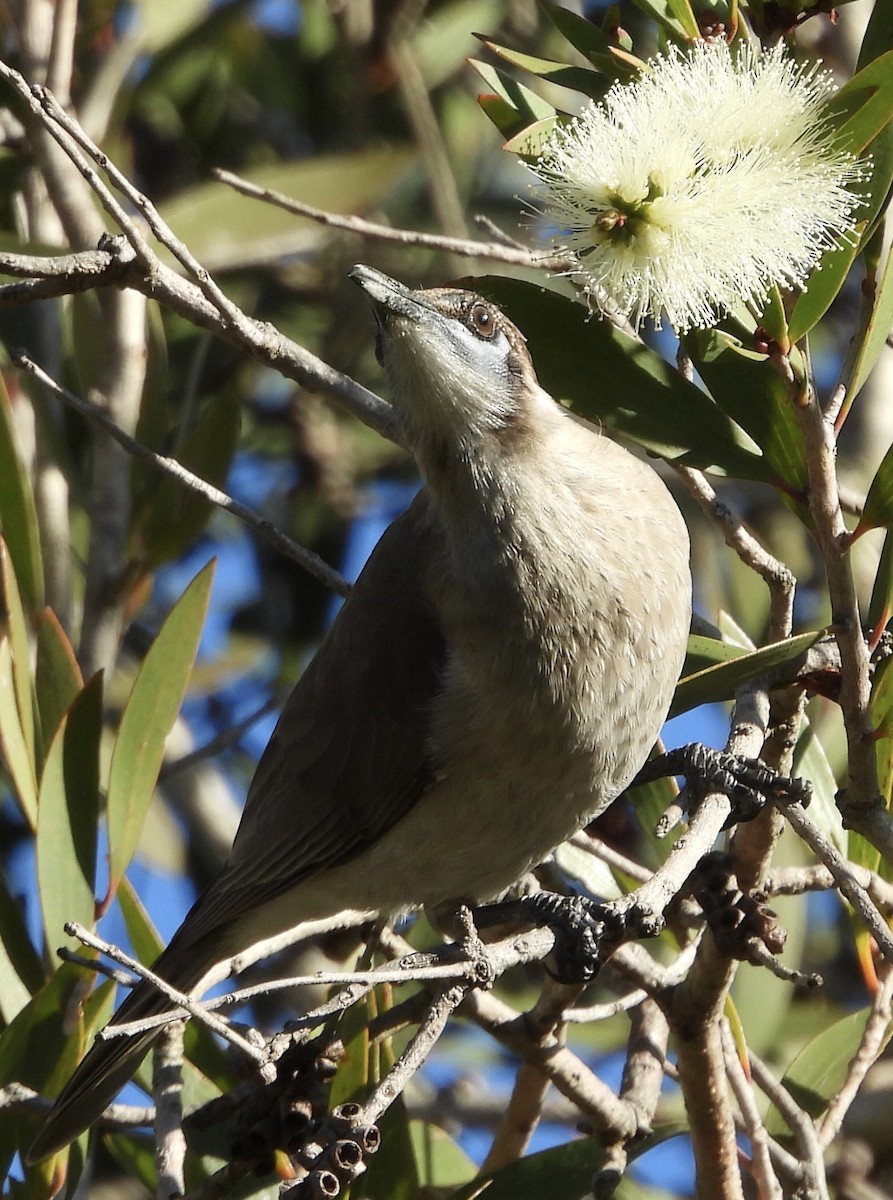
[(767, 1182), (779, 579), (306, 558), (178, 999), (844, 876), (798, 1121), (167, 1087), (874, 1038), (415, 1053), (511, 254)]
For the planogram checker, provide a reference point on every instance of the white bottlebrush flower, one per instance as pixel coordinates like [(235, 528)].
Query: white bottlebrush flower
[(700, 184)]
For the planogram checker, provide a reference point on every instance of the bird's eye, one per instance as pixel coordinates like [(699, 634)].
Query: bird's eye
[(481, 321)]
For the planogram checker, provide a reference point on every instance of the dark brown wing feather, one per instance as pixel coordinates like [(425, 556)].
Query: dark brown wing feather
[(347, 759), (349, 755)]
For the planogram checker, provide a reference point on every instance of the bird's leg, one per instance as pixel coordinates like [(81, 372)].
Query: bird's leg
[(748, 783), (586, 932)]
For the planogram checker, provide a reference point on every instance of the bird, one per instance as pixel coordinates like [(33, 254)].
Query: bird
[(496, 678)]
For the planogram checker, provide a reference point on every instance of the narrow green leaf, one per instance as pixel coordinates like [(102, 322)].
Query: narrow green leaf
[(811, 761), (21, 971), (638, 395), (440, 1162), (818, 1071), (863, 106), (663, 11), (562, 1173), (722, 681), (592, 873), (503, 115), (227, 230), (578, 79), (824, 284), (750, 391), (682, 11), (880, 606), (145, 939), (150, 712), (773, 318), (175, 515), (706, 652), (878, 508), (68, 817), (393, 1171), (161, 23), (42, 1045), (583, 34), (58, 677), (876, 332), (18, 759), (529, 106), (17, 624), (528, 144), (444, 39), (18, 517)]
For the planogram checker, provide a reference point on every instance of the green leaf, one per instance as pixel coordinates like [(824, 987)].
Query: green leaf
[(748, 389), (880, 606), (16, 755), (824, 283), (722, 681), (592, 873), (583, 34), (876, 330), (527, 104), (159, 23), (529, 143), (578, 79), (17, 624), (616, 381), (863, 106), (562, 1173), (444, 39), (675, 18), (176, 515), (440, 1162), (704, 652), (811, 761), (41, 1047), (227, 230), (150, 712), (144, 937), (817, 1073), (58, 677), (878, 508), (18, 517), (21, 971), (68, 816)]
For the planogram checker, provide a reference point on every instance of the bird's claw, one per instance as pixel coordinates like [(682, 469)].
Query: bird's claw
[(748, 783)]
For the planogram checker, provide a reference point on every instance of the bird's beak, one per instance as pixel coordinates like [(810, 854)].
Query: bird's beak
[(388, 296)]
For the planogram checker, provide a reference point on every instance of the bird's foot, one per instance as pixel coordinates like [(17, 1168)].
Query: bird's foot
[(586, 932), (748, 783)]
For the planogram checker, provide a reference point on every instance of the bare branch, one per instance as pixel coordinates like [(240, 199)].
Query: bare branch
[(778, 578), (306, 558), (874, 1039), (513, 254), (767, 1182), (167, 1086), (179, 999), (799, 1122)]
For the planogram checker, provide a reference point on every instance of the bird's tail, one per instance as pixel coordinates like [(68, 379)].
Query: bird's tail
[(110, 1063)]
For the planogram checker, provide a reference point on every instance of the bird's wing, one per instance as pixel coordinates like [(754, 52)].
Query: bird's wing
[(349, 755)]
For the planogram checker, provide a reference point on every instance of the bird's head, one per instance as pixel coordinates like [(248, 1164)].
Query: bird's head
[(459, 370)]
